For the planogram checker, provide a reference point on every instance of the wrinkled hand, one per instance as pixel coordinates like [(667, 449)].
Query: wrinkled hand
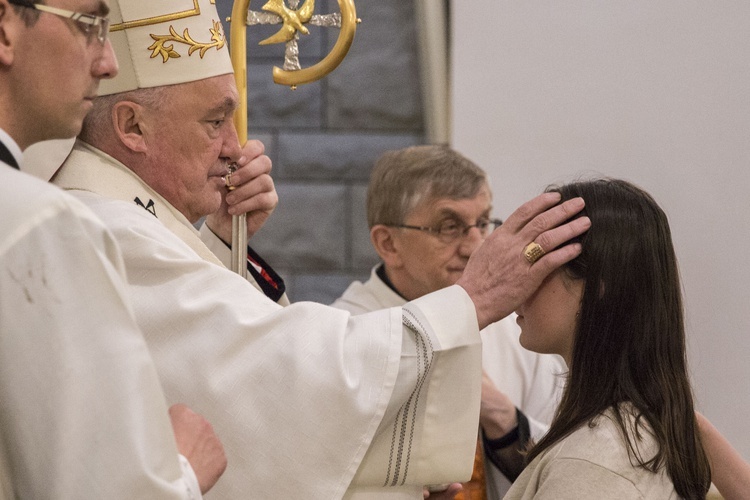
[(497, 413), (254, 194), (197, 442), (498, 278), (447, 494)]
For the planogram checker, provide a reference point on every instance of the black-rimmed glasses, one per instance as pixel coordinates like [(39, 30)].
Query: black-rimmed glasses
[(90, 24), (450, 230)]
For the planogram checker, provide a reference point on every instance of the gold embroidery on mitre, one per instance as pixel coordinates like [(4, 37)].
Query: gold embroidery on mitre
[(159, 47), (195, 11)]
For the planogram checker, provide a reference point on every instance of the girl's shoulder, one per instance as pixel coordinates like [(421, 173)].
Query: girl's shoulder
[(599, 448)]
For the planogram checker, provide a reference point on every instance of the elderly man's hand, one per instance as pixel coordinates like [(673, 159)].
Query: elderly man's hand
[(254, 193), (497, 413), (498, 277), (197, 442), (449, 493)]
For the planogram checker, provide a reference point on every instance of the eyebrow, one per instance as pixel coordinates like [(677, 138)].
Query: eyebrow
[(227, 105), (102, 9), (448, 212)]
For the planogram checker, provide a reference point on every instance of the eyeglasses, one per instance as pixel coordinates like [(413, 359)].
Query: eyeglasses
[(89, 24), (451, 230)]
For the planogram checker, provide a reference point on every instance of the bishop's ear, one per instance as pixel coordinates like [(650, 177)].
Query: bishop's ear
[(10, 24), (130, 122), (383, 239)]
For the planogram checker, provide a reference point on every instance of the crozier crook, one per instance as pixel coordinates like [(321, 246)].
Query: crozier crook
[(292, 20)]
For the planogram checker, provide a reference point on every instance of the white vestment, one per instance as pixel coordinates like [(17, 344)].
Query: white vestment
[(298, 394), (82, 413), (532, 381)]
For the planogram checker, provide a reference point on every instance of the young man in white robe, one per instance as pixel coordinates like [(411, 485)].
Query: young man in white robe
[(311, 401), (82, 414), (429, 208)]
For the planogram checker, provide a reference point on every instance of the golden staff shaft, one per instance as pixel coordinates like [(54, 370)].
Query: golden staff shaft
[(238, 54)]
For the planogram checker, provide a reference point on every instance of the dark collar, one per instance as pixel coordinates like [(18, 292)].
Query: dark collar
[(7, 157), (380, 271)]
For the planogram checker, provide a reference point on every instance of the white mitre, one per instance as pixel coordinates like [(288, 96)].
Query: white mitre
[(165, 42)]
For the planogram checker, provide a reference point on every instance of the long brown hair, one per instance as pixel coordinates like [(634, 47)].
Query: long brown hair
[(629, 346)]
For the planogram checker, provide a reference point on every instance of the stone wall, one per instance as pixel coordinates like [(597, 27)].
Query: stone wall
[(324, 137)]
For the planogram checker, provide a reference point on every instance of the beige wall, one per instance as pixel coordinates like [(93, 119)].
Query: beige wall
[(654, 92)]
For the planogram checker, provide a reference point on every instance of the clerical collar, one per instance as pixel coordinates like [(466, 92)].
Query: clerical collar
[(380, 271), (10, 152)]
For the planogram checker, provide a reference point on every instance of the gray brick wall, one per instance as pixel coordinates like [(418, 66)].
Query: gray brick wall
[(323, 139)]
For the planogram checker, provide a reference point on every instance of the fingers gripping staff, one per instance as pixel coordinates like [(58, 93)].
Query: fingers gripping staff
[(228, 178), (507, 268)]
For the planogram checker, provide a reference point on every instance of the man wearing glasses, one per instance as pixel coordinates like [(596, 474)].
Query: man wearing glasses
[(83, 414), (428, 209)]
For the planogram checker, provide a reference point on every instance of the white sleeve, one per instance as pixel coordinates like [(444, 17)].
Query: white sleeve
[(428, 434), (83, 414), (193, 489)]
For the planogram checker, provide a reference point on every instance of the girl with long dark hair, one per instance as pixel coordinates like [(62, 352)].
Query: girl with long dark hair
[(626, 426)]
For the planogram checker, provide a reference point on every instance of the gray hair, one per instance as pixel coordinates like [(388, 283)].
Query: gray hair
[(98, 123), (404, 178)]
